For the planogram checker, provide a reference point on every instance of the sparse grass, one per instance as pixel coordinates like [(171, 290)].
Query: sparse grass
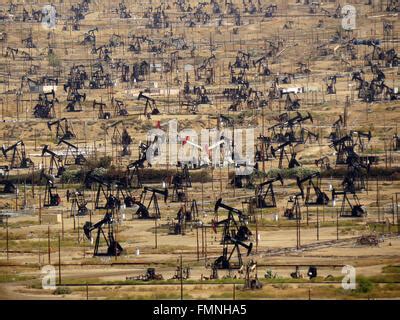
[(4, 278), (391, 269)]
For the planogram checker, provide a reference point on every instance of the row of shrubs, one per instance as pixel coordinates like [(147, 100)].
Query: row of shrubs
[(103, 167)]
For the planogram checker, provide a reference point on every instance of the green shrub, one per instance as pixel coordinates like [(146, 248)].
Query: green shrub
[(62, 290), (54, 61), (364, 285)]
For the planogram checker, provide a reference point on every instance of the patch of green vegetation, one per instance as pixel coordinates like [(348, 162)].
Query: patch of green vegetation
[(391, 269), (364, 285), (292, 173), (54, 60), (4, 278), (62, 290)]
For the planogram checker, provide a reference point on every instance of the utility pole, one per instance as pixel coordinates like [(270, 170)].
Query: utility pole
[(7, 237), (197, 238), (155, 234), (48, 244), (59, 259), (181, 269)]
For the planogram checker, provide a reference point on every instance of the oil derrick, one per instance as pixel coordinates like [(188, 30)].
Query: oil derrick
[(139, 71), (148, 276), (343, 147), (284, 155), (157, 19), (338, 129), (393, 6), (121, 139), (76, 78), (75, 100), (181, 272), (206, 70), (323, 163), (11, 52), (105, 115), (113, 247), (331, 85), (89, 37), (51, 197), (28, 42), (136, 42), (235, 234), (293, 208), (124, 193), (243, 176), (150, 107), (56, 162), (18, 158), (152, 209), (319, 197), (119, 107), (104, 195), (64, 129), (180, 181), (250, 276), (9, 186), (265, 194), (72, 156), (44, 109), (292, 101), (183, 216), (201, 95), (360, 139), (355, 209), (98, 78), (78, 203), (133, 173), (263, 149), (290, 129)]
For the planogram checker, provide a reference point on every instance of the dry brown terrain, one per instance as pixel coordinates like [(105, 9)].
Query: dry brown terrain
[(327, 241)]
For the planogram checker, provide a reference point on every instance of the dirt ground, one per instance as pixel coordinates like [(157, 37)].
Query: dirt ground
[(32, 237)]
